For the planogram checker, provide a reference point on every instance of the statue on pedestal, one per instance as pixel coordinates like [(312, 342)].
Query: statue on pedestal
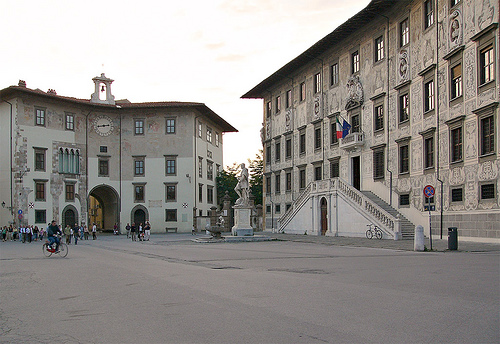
[(242, 188)]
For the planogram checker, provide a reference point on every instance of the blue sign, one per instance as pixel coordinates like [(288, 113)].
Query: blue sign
[(19, 211), (428, 191)]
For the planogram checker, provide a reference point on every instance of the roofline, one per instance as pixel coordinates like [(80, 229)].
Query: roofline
[(13, 91), (373, 9)]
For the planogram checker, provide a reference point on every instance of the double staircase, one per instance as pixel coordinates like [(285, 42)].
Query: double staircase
[(372, 207)]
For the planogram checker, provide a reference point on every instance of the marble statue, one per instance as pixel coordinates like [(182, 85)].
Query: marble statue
[(243, 187)]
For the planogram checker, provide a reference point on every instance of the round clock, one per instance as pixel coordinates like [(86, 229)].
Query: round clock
[(103, 125)]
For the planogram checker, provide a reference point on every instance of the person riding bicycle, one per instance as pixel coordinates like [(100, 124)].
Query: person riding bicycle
[(52, 232)]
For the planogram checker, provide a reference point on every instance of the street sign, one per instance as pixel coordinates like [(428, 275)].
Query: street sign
[(428, 191), (20, 216), (19, 211)]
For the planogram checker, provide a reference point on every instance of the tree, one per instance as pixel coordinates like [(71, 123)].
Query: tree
[(256, 168), (226, 181)]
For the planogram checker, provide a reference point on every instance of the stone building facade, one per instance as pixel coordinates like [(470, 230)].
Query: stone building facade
[(107, 161), (418, 83)]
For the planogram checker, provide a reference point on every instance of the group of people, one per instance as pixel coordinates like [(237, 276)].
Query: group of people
[(35, 233), (141, 233)]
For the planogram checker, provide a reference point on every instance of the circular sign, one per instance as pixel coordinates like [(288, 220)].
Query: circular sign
[(19, 211), (429, 191), (20, 216)]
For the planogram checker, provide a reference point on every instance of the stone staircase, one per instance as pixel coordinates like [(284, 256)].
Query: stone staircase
[(407, 228)]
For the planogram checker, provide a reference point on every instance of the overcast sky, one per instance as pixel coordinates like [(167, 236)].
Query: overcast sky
[(207, 51)]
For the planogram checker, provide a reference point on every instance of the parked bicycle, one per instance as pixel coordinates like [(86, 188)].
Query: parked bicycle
[(49, 249), (373, 230)]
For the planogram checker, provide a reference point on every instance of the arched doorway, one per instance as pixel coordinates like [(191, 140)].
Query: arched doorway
[(139, 214), (103, 207), (69, 217), (324, 216)]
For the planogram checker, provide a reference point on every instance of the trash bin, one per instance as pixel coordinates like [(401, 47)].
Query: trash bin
[(452, 238)]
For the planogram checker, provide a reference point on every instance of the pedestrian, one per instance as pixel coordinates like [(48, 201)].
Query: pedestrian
[(22, 234), (42, 233), (67, 234), (29, 233), (94, 231), (147, 231), (128, 230), (76, 233), (4, 233), (193, 230), (132, 232), (141, 232), (35, 233), (10, 231), (86, 232)]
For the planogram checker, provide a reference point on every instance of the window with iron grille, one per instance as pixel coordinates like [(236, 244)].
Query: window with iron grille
[(404, 199), (457, 195), (487, 135), (41, 216), (378, 164), (335, 168), (488, 191)]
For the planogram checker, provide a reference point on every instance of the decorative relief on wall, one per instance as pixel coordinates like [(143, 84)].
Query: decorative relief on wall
[(416, 102), (469, 21), (404, 185), (486, 97), (428, 56), (443, 148), (470, 80), (416, 161), (455, 29), (443, 97), (471, 187), (471, 139), (487, 11), (268, 130), (392, 112), (457, 176), (487, 171), (404, 66), (317, 108), (354, 92)]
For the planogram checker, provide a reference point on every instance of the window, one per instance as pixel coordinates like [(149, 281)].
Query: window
[(210, 170), (457, 194), (404, 200), (288, 98), (356, 124), (70, 121), (170, 168), (268, 154), (302, 91), (355, 62), (288, 148), (318, 175), (268, 185), (40, 159), (428, 13), (378, 163), (456, 81), (335, 168), (302, 178), (103, 168), (269, 109), (209, 134), (40, 117), (278, 104), (456, 144), (170, 126), (41, 216), (200, 193), (379, 48), (103, 149), (210, 194), (488, 191), (70, 192), (268, 208), (429, 152), (487, 135), (333, 132), (200, 167), (429, 202), (404, 32), (139, 127), (302, 142), (379, 117), (317, 138), (200, 130), (404, 159), (486, 65), (170, 192), (277, 186), (278, 208), (217, 139), (429, 96), (277, 151), (170, 215), (40, 190), (288, 206), (404, 107), (334, 74), (139, 193), (454, 2), (69, 161), (139, 166), (317, 83), (288, 181)]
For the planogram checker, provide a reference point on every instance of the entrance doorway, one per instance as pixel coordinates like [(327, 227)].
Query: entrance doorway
[(103, 206), (69, 217), (324, 216), (139, 217), (356, 172)]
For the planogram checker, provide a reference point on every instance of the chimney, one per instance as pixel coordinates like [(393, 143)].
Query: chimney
[(52, 91), (22, 83)]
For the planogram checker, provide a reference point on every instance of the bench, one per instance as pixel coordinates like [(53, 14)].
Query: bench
[(170, 229)]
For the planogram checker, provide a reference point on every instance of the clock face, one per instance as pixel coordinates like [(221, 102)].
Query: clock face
[(103, 125)]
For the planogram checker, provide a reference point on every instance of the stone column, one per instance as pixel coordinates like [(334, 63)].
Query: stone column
[(227, 212)]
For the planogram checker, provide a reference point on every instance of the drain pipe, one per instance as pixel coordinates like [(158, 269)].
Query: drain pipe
[(10, 161), (437, 129)]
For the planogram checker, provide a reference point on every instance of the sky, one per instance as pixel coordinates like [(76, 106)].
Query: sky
[(206, 51)]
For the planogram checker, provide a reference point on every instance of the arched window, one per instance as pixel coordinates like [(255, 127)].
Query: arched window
[(61, 160)]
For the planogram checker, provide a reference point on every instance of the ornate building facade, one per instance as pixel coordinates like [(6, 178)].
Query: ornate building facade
[(418, 84), (106, 161)]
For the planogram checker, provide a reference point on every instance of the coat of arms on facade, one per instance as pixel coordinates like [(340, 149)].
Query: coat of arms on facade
[(404, 66), (455, 29), (317, 107), (288, 116), (354, 92)]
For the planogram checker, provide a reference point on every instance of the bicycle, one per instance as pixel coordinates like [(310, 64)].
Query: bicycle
[(48, 250), (373, 230)]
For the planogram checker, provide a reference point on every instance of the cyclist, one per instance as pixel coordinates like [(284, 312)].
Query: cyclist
[(52, 232)]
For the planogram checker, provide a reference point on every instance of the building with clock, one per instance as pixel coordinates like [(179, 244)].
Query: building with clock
[(106, 161), (402, 96)]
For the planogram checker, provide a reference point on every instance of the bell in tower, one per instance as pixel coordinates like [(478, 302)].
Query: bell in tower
[(102, 93)]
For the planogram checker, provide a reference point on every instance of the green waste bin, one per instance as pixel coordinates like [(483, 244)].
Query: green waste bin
[(452, 238)]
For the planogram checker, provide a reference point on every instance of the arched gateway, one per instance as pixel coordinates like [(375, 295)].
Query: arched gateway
[(104, 207)]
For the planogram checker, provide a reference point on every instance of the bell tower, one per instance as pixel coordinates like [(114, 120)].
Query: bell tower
[(102, 93)]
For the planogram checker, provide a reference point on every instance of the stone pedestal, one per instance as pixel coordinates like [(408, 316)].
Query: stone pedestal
[(242, 225)]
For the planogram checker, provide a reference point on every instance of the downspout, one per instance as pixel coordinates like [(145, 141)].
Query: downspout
[(388, 122), (120, 169), (10, 161), (437, 126), (195, 165), (87, 165)]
